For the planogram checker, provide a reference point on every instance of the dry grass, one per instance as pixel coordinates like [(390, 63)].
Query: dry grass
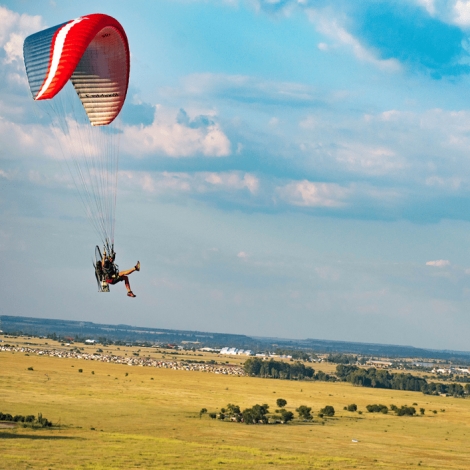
[(145, 423)]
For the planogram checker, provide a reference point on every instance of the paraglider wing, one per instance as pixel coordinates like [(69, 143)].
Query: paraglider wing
[(93, 52)]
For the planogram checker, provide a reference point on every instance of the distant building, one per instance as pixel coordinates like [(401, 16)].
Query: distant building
[(90, 341), (235, 351), (380, 364)]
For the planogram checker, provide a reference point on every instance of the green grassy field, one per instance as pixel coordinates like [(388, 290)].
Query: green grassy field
[(150, 419)]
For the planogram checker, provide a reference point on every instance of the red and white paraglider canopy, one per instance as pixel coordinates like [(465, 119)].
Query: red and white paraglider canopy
[(93, 52)]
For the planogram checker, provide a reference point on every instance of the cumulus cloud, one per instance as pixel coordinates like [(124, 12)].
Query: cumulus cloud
[(440, 263), (165, 136), (35, 140), (462, 12), (176, 136), (13, 30)]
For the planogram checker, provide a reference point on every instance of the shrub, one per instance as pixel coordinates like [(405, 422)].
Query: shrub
[(233, 409), (30, 368), (80, 370), (406, 411), (281, 403), (304, 412), (212, 415), (286, 416), (43, 421), (377, 409), (328, 411), (352, 407)]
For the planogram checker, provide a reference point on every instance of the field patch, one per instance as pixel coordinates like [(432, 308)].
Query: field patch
[(112, 416)]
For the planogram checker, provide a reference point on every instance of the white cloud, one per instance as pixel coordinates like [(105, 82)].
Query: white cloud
[(428, 5), (368, 159), (14, 48), (168, 137), (199, 182), (462, 12), (242, 255), (440, 263), (34, 140), (455, 12), (307, 194), (234, 180), (14, 28), (326, 23), (165, 136)]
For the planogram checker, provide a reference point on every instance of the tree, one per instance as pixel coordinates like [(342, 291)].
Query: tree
[(281, 403), (352, 407), (203, 411), (286, 416), (256, 414), (328, 411), (233, 409), (304, 412)]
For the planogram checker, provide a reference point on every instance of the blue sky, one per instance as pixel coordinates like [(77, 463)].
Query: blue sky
[(288, 168)]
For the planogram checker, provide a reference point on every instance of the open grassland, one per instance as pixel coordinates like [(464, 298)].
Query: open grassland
[(150, 419)]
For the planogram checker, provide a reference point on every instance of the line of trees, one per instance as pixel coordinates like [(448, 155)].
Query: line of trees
[(375, 378), (404, 410), (378, 378), (278, 369), (339, 358), (40, 421), (260, 414)]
